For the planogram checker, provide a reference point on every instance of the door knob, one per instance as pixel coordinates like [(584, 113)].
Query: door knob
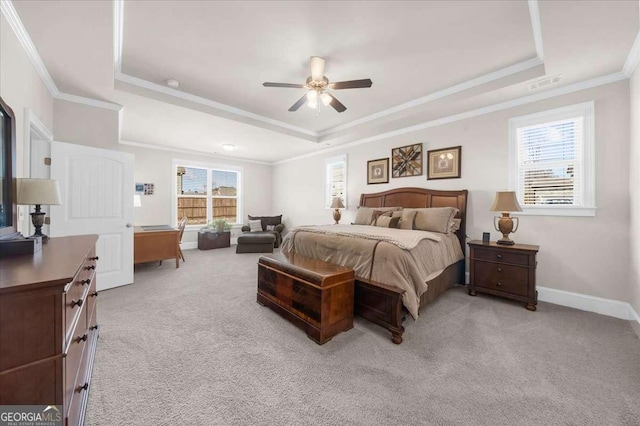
[(129, 225)]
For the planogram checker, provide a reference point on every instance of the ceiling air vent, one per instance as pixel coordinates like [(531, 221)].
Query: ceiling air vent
[(545, 82)]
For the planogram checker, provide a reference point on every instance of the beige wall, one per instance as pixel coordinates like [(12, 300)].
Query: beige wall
[(634, 191), (85, 125), (588, 255), (21, 87)]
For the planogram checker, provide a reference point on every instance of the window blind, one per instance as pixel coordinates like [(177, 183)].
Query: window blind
[(550, 163)]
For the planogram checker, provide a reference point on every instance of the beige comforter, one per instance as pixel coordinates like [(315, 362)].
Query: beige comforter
[(380, 258)]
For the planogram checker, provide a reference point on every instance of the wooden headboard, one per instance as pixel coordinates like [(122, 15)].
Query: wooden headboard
[(420, 198)]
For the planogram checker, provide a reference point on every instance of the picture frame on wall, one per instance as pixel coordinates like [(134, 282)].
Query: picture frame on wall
[(444, 163), (406, 161), (378, 171)]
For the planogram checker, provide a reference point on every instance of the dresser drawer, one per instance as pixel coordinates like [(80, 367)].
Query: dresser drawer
[(500, 277), (81, 389), (74, 352), (498, 255)]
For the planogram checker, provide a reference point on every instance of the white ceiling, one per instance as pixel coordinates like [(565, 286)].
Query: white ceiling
[(221, 52)]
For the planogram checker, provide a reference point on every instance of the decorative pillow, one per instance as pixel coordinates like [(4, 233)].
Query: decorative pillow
[(271, 227), (363, 216), (406, 219), (387, 221), (267, 220), (377, 213), (255, 225), (454, 225), (434, 219)]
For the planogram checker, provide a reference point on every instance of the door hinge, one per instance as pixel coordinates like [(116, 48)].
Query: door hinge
[(47, 221), (47, 161)]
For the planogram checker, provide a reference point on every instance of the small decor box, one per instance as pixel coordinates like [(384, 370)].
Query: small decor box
[(18, 246), (211, 239)]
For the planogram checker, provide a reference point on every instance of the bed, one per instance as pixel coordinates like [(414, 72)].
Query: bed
[(383, 295)]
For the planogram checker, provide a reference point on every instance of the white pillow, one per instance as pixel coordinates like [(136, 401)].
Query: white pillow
[(255, 225)]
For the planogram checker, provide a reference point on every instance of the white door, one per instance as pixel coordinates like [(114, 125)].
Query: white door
[(96, 186)]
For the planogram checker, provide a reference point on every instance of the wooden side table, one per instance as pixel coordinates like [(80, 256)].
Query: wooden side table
[(505, 271), (208, 240)]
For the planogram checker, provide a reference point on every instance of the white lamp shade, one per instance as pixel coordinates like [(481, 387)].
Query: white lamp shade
[(38, 192), (337, 203), (137, 200), (506, 201)]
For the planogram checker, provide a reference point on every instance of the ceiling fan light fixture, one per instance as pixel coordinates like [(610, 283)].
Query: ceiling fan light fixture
[(312, 96), (325, 98), (313, 104)]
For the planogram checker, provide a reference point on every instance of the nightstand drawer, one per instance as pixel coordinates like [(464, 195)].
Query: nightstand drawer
[(500, 277), (497, 255)]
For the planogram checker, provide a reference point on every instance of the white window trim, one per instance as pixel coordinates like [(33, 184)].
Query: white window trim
[(585, 110), (175, 162), (327, 192)]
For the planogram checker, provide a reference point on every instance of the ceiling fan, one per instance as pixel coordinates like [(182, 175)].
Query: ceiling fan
[(318, 85)]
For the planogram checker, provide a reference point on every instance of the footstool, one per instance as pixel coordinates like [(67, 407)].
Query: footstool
[(255, 243)]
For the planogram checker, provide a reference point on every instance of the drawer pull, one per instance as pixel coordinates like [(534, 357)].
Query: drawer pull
[(94, 258), (499, 284), (94, 294), (82, 338), (93, 327), (499, 256), (88, 268), (499, 269), (75, 303), (83, 387), (85, 282)]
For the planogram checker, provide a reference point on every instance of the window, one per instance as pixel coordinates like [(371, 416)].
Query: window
[(336, 180), (551, 161), (206, 193)]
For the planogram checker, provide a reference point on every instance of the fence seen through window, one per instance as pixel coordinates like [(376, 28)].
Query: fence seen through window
[(204, 195)]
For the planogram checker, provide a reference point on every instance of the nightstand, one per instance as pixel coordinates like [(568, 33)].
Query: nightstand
[(502, 270)]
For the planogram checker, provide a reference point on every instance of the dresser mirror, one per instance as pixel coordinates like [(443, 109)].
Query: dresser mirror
[(8, 215)]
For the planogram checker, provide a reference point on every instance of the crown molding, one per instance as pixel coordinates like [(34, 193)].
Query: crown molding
[(7, 9), (634, 57), (193, 152), (88, 101), (30, 49), (576, 87), (135, 81), (534, 14), (469, 84)]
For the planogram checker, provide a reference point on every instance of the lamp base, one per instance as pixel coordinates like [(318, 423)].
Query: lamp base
[(37, 218), (505, 241), (336, 216)]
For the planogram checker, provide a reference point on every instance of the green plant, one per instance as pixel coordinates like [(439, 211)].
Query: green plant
[(220, 225)]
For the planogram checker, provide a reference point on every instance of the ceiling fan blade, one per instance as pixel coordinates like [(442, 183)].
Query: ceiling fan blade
[(336, 104), (352, 84), (293, 86), (298, 104), (317, 68)]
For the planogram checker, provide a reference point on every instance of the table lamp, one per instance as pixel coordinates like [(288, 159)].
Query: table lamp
[(337, 204), (505, 202), (38, 192)]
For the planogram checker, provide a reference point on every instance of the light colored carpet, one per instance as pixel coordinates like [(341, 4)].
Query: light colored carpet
[(191, 346)]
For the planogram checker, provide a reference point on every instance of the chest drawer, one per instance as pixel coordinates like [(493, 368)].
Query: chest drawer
[(497, 255), (73, 356), (500, 277)]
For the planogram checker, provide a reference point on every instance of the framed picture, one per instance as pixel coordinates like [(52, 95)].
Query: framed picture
[(148, 189), (139, 188), (444, 163), (406, 161), (378, 171)]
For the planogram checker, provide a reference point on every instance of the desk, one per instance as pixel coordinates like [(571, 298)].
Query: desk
[(156, 245)]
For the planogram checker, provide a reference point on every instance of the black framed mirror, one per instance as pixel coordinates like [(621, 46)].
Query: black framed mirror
[(8, 216)]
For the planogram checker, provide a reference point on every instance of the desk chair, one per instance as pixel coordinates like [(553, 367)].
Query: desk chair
[(181, 225)]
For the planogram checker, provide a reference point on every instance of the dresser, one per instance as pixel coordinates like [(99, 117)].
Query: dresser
[(48, 326), (506, 271)]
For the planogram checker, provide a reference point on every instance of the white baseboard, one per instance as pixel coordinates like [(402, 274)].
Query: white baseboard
[(612, 308), (194, 244)]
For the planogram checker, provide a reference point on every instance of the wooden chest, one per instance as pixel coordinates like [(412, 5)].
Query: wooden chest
[(314, 295), (208, 240)]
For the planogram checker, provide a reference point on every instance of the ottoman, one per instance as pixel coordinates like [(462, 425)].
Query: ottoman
[(255, 243)]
